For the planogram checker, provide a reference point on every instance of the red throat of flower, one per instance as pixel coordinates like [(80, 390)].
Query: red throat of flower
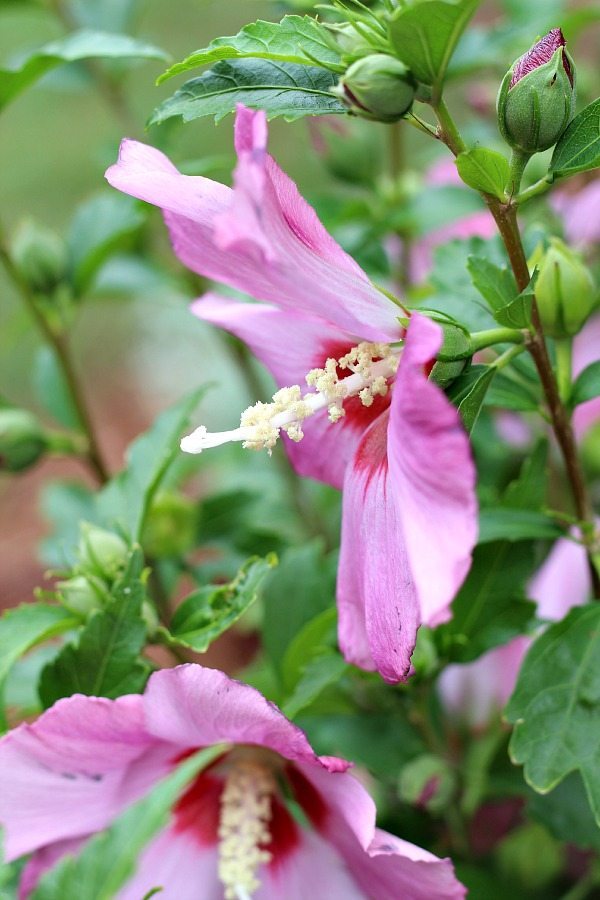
[(539, 54)]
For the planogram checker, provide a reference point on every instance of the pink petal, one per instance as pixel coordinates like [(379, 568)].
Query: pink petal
[(478, 224), (562, 581), (384, 866), (585, 351), (176, 863), (63, 776), (377, 601), (432, 476), (262, 238), (193, 706), (580, 212), (290, 344)]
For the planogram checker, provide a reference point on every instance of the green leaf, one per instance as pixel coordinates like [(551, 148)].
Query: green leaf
[(211, 610), (424, 34), (316, 638), (76, 46), (484, 170), (105, 660), (318, 674), (500, 524), (517, 313), (109, 859), (65, 505), (109, 15), (281, 89), (529, 490), (587, 385), (97, 230), (490, 608), (22, 628), (555, 707), (496, 284), (51, 389), (566, 813), (125, 500), (296, 39), (301, 587), (579, 146), (510, 392), (468, 392)]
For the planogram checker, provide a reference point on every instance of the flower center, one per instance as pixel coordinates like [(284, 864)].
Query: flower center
[(371, 366), (245, 817)]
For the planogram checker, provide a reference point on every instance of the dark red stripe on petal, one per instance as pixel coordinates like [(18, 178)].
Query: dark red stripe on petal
[(358, 416), (197, 810), (540, 54), (285, 834), (307, 796), (371, 454)]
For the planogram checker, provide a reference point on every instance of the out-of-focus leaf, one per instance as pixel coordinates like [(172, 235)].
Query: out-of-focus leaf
[(513, 393), (566, 813), (210, 611), (126, 498), (295, 39), (318, 674), (281, 89), (51, 389), (578, 149), (65, 504), (529, 490), (490, 608), (501, 524), (424, 34), (97, 230), (316, 638), (25, 626), (72, 48), (484, 170), (300, 588), (109, 859), (587, 385), (104, 15), (104, 662), (555, 707)]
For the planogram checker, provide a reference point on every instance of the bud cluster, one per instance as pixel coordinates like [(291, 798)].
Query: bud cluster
[(102, 556)]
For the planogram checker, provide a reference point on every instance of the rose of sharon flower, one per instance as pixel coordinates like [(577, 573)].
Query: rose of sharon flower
[(335, 346), (231, 835)]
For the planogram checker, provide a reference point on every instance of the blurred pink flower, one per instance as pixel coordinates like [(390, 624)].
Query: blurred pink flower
[(480, 689), (409, 514), (231, 835), (580, 212)]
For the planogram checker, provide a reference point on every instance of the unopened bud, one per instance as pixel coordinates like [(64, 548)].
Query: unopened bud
[(531, 856), (350, 41), (81, 595), (170, 527), (40, 256), (536, 101), (427, 782), (377, 87), (565, 290), (103, 552), (22, 440)]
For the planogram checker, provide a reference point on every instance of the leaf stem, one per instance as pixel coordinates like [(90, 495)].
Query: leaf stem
[(482, 339), (536, 190), (447, 130), (60, 346)]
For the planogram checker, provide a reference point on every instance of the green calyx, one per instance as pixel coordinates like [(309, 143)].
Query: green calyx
[(534, 112), (565, 290), (378, 87)]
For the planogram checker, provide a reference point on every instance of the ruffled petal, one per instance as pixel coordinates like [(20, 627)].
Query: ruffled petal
[(377, 601), (193, 706), (290, 344), (432, 476), (262, 238), (65, 775)]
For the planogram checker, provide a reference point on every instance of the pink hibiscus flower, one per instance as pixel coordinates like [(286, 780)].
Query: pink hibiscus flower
[(231, 835), (401, 456)]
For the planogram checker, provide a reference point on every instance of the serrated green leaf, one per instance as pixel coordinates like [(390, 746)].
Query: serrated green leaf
[(210, 611), (281, 89), (468, 392), (517, 313), (490, 609), (105, 660), (109, 859), (555, 707), (125, 500), (587, 385), (496, 284), (484, 170), (578, 149), (22, 628), (424, 34), (98, 229), (295, 39), (318, 674), (79, 45)]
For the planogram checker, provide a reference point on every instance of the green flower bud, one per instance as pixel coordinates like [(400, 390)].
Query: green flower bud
[(565, 290), (377, 87), (22, 440), (531, 855), (40, 257), (536, 101), (427, 782), (350, 41), (102, 552), (81, 595), (170, 528), (150, 617)]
